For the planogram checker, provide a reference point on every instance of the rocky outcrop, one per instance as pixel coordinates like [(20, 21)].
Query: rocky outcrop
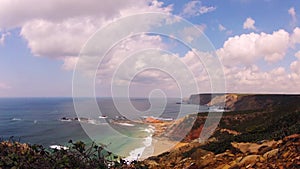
[(284, 153), (252, 147)]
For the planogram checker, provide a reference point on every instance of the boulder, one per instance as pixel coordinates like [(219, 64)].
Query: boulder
[(271, 153), (250, 159)]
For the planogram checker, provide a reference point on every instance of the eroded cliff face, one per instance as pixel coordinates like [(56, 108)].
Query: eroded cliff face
[(271, 154), (238, 102), (264, 136), (203, 99)]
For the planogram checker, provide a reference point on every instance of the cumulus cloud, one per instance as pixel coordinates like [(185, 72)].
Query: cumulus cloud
[(295, 67), (292, 12), (3, 36), (195, 8), (59, 29), (248, 48), (249, 24), (240, 55), (70, 63), (252, 79), (189, 34), (21, 12), (297, 54), (119, 53), (149, 68), (126, 63), (62, 39), (295, 37)]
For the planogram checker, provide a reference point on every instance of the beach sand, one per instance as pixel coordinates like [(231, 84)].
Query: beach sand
[(163, 144), (158, 142)]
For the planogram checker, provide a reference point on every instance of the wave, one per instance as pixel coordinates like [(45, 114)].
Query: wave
[(150, 129), (68, 120), (84, 120), (139, 152), (135, 154), (59, 147), (102, 117), (126, 124), (16, 119), (158, 118), (95, 122)]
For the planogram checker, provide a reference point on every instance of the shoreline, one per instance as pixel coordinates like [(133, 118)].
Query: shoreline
[(155, 144)]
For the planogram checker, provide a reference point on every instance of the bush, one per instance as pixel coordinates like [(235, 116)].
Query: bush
[(17, 155)]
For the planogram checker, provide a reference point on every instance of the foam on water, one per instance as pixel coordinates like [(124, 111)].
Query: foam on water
[(16, 119), (144, 151), (126, 124), (159, 118)]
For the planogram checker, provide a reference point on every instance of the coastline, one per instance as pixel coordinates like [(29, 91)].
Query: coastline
[(155, 144), (163, 144)]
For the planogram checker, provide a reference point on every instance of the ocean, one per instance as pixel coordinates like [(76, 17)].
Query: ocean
[(39, 121)]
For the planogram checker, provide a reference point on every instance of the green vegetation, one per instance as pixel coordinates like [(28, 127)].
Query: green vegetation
[(16, 155), (258, 126)]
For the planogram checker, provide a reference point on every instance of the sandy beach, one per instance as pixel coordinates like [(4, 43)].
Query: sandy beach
[(162, 144)]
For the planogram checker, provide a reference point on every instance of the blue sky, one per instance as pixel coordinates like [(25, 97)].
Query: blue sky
[(257, 43)]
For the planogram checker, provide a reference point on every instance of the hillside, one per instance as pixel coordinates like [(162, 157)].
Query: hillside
[(241, 139), (238, 102), (270, 154)]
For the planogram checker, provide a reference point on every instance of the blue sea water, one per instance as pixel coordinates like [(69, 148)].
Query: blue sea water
[(38, 120)]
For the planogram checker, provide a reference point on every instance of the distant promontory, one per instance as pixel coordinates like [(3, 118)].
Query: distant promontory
[(237, 102)]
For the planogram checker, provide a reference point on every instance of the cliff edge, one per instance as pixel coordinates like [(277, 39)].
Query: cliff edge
[(238, 102)]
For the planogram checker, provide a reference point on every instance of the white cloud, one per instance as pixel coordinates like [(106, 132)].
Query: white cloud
[(206, 9), (121, 52), (297, 54), (295, 37), (190, 33), (248, 48), (59, 29), (46, 38), (21, 12), (292, 12), (3, 36), (70, 63), (221, 27), (254, 80), (240, 54), (295, 67), (249, 24), (195, 8)]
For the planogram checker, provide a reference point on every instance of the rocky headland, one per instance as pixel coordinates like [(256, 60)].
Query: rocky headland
[(240, 102)]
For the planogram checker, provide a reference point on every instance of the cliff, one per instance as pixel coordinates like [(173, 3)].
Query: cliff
[(238, 102), (265, 133)]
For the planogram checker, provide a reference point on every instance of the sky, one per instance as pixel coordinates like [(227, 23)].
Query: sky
[(256, 43)]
